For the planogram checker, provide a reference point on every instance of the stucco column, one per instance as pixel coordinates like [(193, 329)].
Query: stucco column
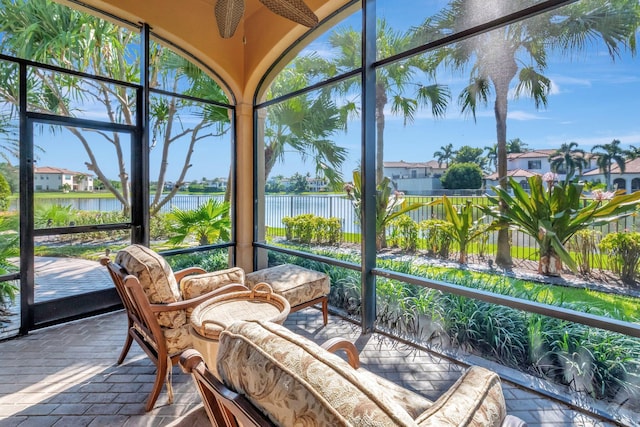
[(261, 254), (244, 188)]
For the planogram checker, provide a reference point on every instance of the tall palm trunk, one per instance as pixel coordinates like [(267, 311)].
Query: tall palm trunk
[(503, 71)]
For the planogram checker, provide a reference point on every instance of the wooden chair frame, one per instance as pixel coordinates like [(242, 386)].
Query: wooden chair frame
[(143, 326)]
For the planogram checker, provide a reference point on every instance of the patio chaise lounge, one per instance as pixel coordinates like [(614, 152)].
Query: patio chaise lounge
[(272, 376)]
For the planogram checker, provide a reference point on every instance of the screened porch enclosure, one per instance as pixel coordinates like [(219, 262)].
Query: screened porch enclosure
[(343, 148)]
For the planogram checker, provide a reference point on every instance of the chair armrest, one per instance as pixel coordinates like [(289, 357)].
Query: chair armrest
[(198, 284), (191, 303), (475, 399), (334, 344), (180, 274)]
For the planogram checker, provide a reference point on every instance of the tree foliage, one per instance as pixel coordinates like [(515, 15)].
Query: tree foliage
[(608, 155), (468, 154), (518, 53), (51, 33), (462, 176), (396, 83), (568, 158), (445, 154), (5, 192), (298, 183)]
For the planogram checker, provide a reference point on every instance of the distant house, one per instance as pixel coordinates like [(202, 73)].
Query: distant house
[(629, 180), (537, 161), (47, 178), (415, 177), (217, 184), (317, 184), (410, 170)]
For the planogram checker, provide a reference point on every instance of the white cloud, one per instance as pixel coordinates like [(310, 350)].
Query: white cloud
[(587, 142), (523, 116), (569, 81)]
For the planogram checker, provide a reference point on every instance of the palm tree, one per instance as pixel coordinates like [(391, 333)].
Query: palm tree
[(608, 154), (398, 83), (568, 158), (633, 152), (492, 156), (306, 123), (208, 224), (520, 49), (516, 145), (445, 154)]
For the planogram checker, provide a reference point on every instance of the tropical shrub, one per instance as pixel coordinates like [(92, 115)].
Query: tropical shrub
[(309, 228), (8, 248), (210, 260), (208, 223), (584, 247), (159, 226), (551, 216), (329, 230), (624, 254), (5, 192), (404, 233), (436, 236), (389, 205), (54, 215), (464, 229)]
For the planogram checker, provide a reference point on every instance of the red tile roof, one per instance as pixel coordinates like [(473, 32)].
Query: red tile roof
[(631, 166), (50, 169)]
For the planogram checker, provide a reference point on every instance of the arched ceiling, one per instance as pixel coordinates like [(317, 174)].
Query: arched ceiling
[(240, 61)]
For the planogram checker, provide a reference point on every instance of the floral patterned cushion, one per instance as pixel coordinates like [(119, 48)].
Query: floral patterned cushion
[(297, 284), (199, 284), (295, 382), (157, 280), (177, 339), (475, 400)]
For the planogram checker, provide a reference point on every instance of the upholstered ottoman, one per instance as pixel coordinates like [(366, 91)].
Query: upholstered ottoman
[(300, 286)]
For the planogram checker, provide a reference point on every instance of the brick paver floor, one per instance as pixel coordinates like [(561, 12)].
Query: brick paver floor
[(66, 376)]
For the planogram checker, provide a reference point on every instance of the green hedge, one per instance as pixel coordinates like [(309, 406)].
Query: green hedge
[(309, 228)]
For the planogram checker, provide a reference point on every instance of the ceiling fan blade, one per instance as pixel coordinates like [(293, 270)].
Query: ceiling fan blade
[(295, 10), (228, 15)]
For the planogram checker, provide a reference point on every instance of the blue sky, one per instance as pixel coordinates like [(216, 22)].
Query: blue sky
[(593, 101)]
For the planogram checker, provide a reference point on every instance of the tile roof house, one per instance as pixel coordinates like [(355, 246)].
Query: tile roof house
[(47, 178), (415, 177), (628, 180), (538, 161)]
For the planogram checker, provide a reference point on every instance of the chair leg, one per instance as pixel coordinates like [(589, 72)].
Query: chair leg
[(126, 347), (161, 375), (325, 310)]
